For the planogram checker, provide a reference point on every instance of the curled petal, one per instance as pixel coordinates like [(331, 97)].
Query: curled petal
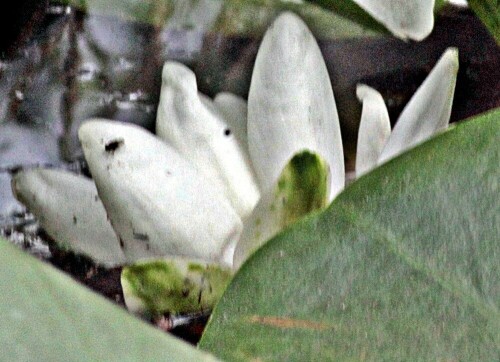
[(413, 19), (198, 131), (291, 107), (428, 111), (301, 188), (175, 286), (69, 210), (374, 129), (158, 203)]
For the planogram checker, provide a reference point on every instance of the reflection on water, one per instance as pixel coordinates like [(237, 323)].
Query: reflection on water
[(81, 67)]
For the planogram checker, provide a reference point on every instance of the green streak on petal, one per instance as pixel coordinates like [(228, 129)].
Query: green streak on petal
[(173, 286), (303, 186)]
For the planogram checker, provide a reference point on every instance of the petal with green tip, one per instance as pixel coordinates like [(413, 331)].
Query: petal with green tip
[(202, 136), (291, 107), (158, 203), (301, 188), (428, 111), (176, 286), (374, 129)]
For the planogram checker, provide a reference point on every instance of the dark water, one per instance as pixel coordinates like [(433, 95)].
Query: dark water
[(80, 66)]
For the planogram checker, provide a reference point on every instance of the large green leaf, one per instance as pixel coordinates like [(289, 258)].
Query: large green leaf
[(402, 266), (46, 316), (489, 13)]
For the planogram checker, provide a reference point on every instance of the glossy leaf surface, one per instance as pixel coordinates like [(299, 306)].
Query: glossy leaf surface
[(46, 316), (402, 266)]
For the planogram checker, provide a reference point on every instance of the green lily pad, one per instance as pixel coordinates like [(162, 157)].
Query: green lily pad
[(489, 13), (46, 316), (402, 266)]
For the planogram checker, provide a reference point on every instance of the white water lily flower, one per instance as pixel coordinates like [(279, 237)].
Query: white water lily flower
[(406, 19), (427, 113), (185, 197), (296, 125)]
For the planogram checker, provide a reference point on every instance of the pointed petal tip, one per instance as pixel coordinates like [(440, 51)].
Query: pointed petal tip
[(95, 128), (374, 129), (17, 184), (288, 18), (287, 33), (92, 128), (179, 75), (24, 182), (363, 90), (429, 109), (450, 56), (226, 97)]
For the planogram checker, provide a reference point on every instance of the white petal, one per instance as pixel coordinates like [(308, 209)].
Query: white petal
[(234, 109), (374, 129), (291, 105), (428, 111), (158, 203), (301, 188), (68, 208), (412, 19), (200, 134), (176, 286)]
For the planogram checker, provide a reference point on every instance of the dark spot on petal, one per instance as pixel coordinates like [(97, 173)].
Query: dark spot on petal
[(74, 219), (112, 146), (122, 244), (96, 198), (140, 236), (227, 132)]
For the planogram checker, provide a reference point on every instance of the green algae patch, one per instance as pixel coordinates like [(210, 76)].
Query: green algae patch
[(154, 288), (303, 186)]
